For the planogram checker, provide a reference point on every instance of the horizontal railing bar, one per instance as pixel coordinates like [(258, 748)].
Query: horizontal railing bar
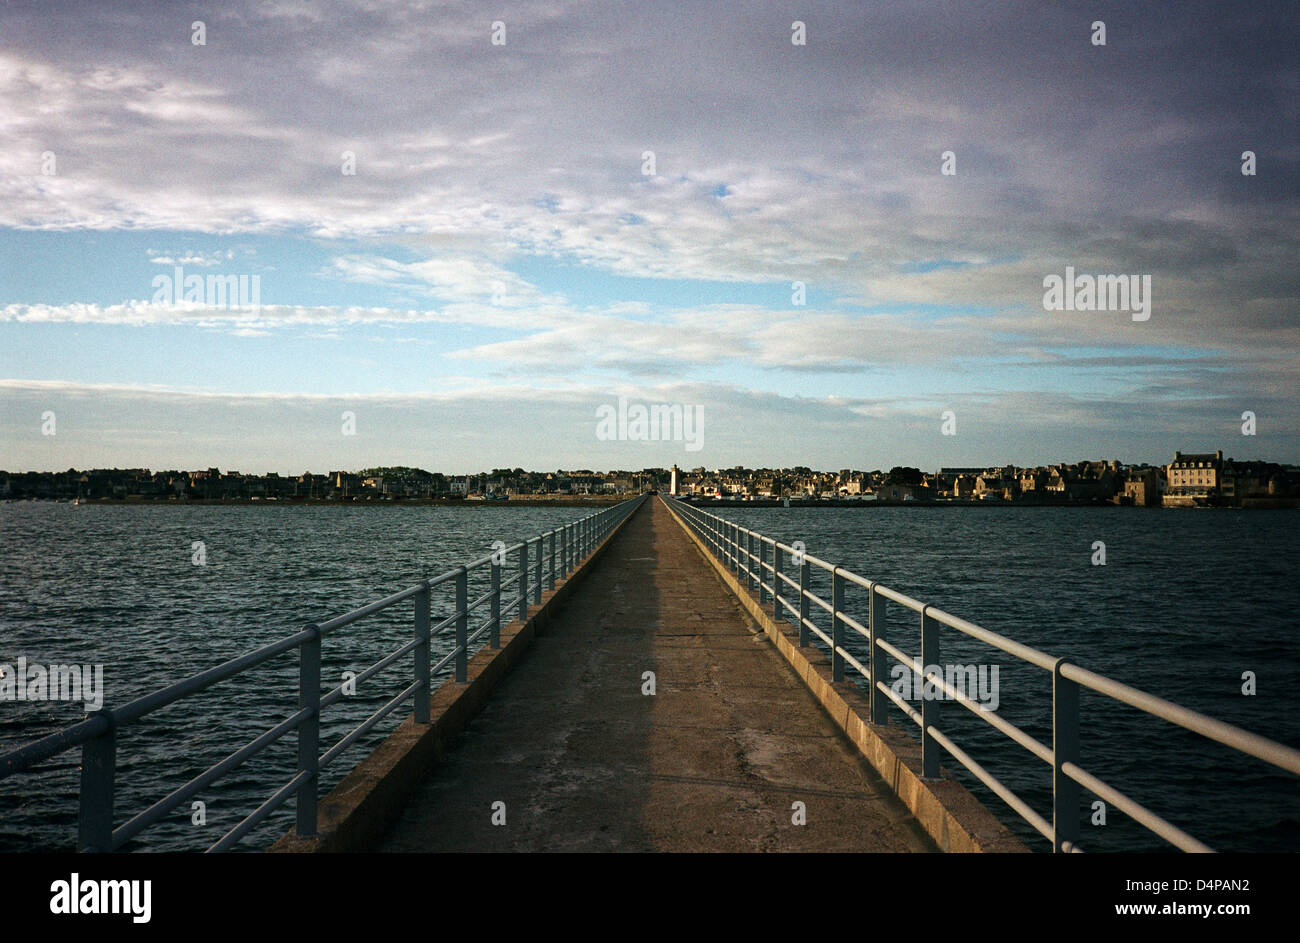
[(481, 561), (1023, 808), (1036, 747), (53, 744), (1259, 747), (149, 816), (470, 607), (1134, 810), (897, 698), (1023, 652), (855, 625), (443, 578), (365, 727), (450, 620), (174, 692), (279, 798), (337, 694), (900, 598), (445, 660), (852, 577), (474, 636), (812, 627), (1040, 750), (848, 656), (348, 618), (890, 649)]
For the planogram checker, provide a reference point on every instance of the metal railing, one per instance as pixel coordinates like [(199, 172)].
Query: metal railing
[(540, 562), (758, 562)]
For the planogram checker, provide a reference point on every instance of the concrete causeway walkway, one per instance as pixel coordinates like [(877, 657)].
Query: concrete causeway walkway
[(713, 761)]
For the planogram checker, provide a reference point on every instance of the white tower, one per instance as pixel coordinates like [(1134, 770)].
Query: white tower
[(672, 485)]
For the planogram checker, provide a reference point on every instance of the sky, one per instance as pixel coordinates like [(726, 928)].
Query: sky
[(470, 231)]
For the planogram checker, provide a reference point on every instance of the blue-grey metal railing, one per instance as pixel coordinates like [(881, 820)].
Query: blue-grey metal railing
[(566, 547), (746, 554)]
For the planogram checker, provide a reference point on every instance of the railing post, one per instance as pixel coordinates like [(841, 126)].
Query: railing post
[(309, 731), (537, 586), (930, 706), (421, 709), (1065, 749), (753, 582), (777, 554), (550, 576), (98, 772), (879, 659), (837, 625), (462, 623), (804, 634), (523, 580), (494, 633), (762, 571)]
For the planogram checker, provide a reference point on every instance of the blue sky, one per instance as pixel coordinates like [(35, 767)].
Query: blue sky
[(500, 264)]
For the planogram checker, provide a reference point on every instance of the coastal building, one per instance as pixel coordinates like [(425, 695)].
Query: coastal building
[(1193, 477), (1240, 480), (1031, 481), (1141, 488), (963, 487)]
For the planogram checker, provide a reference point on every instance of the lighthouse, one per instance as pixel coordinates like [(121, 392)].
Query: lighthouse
[(672, 484)]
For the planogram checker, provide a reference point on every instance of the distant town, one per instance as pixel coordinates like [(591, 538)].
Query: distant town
[(1189, 480)]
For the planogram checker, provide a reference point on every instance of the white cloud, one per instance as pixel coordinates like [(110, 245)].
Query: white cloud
[(476, 158)]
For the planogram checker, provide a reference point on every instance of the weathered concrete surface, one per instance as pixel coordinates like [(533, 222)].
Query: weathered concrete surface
[(713, 761)]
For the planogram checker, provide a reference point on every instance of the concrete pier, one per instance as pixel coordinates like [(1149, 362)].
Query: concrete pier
[(719, 758)]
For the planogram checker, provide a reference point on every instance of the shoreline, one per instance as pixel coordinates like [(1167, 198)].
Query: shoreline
[(1250, 504)]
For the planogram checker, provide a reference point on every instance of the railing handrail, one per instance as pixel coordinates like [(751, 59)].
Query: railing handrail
[(569, 545), (731, 544)]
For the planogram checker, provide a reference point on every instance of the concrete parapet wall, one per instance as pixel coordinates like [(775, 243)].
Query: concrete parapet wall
[(954, 818)]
